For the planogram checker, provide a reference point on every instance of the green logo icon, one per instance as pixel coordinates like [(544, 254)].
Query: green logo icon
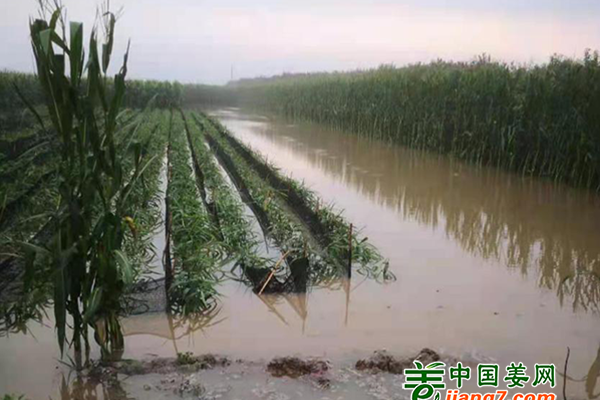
[(425, 380)]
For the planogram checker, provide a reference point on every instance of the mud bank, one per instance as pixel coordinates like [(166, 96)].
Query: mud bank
[(282, 378)]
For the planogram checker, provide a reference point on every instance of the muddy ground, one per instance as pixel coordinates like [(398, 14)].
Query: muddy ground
[(214, 377)]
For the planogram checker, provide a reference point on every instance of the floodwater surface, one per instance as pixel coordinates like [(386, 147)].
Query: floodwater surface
[(490, 266)]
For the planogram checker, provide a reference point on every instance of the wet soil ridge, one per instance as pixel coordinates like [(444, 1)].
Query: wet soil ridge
[(279, 367), (185, 362), (382, 361), (295, 367), (327, 228)]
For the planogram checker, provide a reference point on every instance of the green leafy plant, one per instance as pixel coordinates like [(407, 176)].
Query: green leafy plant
[(289, 234), (197, 249), (89, 269), (13, 397)]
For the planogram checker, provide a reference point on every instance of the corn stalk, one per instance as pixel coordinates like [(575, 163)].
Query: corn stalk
[(90, 271)]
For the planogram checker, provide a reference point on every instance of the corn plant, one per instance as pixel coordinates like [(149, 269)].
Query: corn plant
[(89, 270)]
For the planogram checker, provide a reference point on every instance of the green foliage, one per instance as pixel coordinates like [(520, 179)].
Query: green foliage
[(13, 397), (197, 252), (539, 120), (139, 94), (85, 257), (161, 94), (28, 85), (208, 95), (288, 232)]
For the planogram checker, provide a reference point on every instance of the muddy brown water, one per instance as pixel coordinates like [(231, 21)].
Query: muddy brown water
[(489, 266)]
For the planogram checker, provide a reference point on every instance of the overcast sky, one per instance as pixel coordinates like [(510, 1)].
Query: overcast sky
[(202, 40)]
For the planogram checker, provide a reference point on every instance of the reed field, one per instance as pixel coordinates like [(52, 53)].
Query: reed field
[(539, 120)]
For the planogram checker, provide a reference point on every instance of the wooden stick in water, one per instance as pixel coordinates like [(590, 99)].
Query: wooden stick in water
[(275, 268)]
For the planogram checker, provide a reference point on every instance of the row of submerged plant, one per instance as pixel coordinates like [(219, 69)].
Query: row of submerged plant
[(197, 255), (233, 226), (296, 247), (299, 219)]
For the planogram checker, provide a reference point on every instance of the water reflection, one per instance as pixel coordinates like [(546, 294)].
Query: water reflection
[(169, 326), (292, 286), (532, 226), (90, 388), (592, 378)]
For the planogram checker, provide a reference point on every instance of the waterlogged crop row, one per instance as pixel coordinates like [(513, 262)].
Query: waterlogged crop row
[(234, 228), (197, 252), (286, 231), (146, 197), (341, 243)]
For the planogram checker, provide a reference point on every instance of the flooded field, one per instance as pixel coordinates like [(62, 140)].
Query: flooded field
[(489, 266)]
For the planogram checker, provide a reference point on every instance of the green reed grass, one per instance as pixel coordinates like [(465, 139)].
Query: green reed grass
[(538, 120)]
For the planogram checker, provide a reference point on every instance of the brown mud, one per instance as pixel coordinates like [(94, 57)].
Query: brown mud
[(382, 361)]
